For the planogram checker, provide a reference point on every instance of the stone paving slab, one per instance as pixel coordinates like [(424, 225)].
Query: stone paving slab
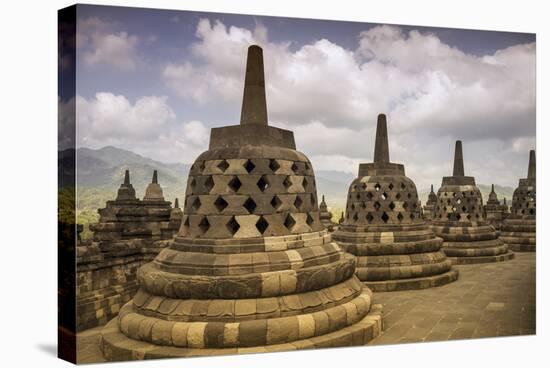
[(488, 300)]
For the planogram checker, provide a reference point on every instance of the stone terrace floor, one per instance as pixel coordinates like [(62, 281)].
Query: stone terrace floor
[(488, 300)]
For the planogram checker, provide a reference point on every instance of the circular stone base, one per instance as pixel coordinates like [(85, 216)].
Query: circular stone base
[(414, 283), (523, 247), (482, 259), (115, 346)]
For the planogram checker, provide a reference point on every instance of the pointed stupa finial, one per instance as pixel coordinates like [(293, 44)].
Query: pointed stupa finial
[(492, 188), (323, 199), (432, 189), (127, 177), (532, 172), (505, 201), (381, 149), (458, 168), (155, 178), (254, 108), (176, 203)]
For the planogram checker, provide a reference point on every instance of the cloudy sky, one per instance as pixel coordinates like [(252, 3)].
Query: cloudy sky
[(156, 81)]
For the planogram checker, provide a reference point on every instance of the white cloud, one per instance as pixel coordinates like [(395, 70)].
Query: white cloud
[(148, 127), (101, 44), (330, 96)]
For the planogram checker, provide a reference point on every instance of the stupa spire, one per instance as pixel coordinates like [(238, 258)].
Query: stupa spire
[(254, 108), (492, 188), (432, 189), (458, 168), (176, 203), (155, 177), (381, 148), (531, 173), (127, 177)]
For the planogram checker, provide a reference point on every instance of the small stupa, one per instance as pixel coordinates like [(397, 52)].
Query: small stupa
[(325, 216), (429, 207), (468, 238), (519, 229), (384, 228), (494, 211), (252, 268)]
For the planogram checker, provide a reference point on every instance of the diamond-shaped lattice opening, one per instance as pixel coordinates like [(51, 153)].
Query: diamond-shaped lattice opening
[(464, 208), (186, 222), (377, 187), (469, 217), (377, 205), (204, 225), (364, 186), (289, 222), (298, 202), (390, 186), (353, 206), (403, 186), (448, 216), (250, 205), (477, 215), (385, 217), (458, 216), (287, 183), (201, 167), (392, 206), (232, 225), (196, 204), (312, 198), (448, 201), (309, 220), (384, 196), (454, 195), (412, 216), (363, 205), (398, 196), (400, 216), (358, 196), (459, 201), (369, 195), (223, 165), (276, 202), (405, 205), (531, 211), (471, 193), (408, 195), (209, 184), (193, 184), (355, 217), (274, 165), (220, 204), (262, 183), (304, 183), (249, 166), (294, 168), (369, 217), (415, 205), (234, 184), (261, 225)]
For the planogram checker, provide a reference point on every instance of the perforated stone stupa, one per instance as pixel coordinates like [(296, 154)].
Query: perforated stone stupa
[(325, 216), (468, 237), (494, 211), (384, 228), (519, 229), (252, 268), (429, 207)]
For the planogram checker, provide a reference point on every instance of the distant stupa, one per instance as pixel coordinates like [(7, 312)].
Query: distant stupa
[(494, 211), (519, 230), (458, 219), (429, 208), (384, 228)]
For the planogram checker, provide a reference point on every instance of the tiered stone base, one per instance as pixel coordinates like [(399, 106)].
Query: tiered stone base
[(465, 244), (416, 283), (116, 346), (520, 235), (397, 257)]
